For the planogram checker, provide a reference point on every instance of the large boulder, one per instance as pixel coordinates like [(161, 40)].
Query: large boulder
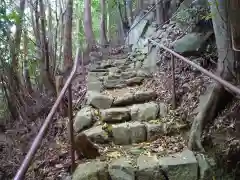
[(83, 119), (99, 100), (151, 61), (136, 32), (94, 170), (191, 43)]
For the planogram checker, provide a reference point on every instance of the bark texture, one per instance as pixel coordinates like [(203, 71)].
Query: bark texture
[(227, 69), (88, 30), (103, 36), (67, 48)]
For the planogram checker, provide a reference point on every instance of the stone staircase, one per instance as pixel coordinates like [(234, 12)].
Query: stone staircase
[(134, 134)]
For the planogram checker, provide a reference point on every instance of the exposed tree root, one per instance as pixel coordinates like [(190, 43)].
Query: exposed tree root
[(217, 100)]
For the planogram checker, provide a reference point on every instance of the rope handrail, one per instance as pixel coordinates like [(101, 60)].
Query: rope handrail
[(38, 139)]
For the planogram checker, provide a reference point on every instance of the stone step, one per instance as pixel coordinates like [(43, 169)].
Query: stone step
[(131, 132), (145, 112), (179, 166), (120, 97)]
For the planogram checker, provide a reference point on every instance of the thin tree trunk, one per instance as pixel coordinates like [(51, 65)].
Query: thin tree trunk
[(129, 12), (88, 31), (25, 64), (227, 58), (48, 82), (67, 48), (103, 36)]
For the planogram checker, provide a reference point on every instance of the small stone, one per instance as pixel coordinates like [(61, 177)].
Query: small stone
[(85, 147), (142, 96), (134, 81), (128, 74), (83, 119), (115, 115), (99, 100), (121, 134), (110, 84), (94, 170), (97, 135), (138, 132), (95, 86), (154, 131), (121, 169), (144, 112), (148, 168), (138, 65), (181, 166), (143, 73), (162, 110)]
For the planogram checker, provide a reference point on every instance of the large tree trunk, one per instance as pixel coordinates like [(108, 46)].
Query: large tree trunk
[(227, 59), (88, 31), (67, 51), (103, 36)]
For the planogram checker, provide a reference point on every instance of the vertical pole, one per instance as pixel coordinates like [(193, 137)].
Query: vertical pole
[(70, 116), (173, 83), (148, 46)]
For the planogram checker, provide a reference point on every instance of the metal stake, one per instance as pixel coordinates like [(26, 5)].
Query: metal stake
[(70, 116), (173, 83)]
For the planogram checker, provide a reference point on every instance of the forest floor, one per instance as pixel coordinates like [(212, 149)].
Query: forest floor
[(52, 161)]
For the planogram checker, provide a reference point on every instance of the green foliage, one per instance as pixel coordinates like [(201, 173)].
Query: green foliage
[(186, 15)]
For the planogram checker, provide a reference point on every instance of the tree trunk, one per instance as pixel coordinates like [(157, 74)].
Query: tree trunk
[(120, 29), (46, 75), (25, 64), (227, 60), (103, 36), (159, 12), (139, 6), (88, 31), (15, 88), (67, 50), (129, 12)]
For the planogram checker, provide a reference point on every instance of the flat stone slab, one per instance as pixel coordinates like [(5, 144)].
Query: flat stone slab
[(94, 170), (99, 100), (95, 86), (115, 115), (121, 169), (142, 96), (128, 133), (132, 98), (181, 166)]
